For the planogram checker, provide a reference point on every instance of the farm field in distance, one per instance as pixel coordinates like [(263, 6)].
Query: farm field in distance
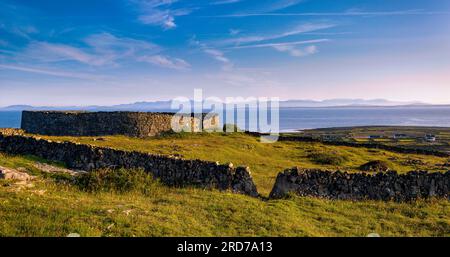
[(404, 136)]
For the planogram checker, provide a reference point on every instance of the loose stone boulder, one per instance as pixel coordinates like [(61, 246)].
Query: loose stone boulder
[(11, 174), (375, 166)]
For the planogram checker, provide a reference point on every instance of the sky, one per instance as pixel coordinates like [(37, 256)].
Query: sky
[(105, 52)]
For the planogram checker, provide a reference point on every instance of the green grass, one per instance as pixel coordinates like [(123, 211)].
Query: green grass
[(328, 158), (117, 181), (126, 204), (50, 208), (265, 160)]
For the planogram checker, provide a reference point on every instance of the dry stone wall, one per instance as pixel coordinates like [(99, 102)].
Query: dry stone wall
[(170, 170), (361, 186), (78, 123), (179, 172)]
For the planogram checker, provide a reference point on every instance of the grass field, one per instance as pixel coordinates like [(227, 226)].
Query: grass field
[(45, 207), (264, 160), (48, 207)]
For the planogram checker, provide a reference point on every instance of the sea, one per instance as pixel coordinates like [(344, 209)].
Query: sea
[(294, 119)]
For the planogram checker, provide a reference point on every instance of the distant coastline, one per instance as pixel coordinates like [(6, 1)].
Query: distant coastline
[(166, 105), (374, 106), (293, 119)]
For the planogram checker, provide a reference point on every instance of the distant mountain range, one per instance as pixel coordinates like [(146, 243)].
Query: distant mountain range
[(166, 105), (346, 103)]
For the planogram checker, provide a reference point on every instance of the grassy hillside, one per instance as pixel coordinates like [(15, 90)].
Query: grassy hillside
[(264, 160), (45, 207)]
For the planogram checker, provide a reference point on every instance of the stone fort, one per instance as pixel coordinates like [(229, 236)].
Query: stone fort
[(133, 124)]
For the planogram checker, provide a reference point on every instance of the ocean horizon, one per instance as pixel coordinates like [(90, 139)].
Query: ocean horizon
[(294, 119)]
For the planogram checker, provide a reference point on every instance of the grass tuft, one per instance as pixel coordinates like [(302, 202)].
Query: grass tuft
[(328, 158), (116, 181)]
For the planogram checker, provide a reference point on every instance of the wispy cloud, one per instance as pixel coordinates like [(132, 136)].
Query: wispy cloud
[(14, 20), (58, 73), (234, 32), (214, 53), (282, 44), (166, 62), (218, 55), (103, 49), (289, 47), (111, 48), (226, 2), (20, 31), (255, 41), (281, 4), (309, 50), (160, 13), (114, 48), (100, 49), (262, 6), (300, 29), (49, 52), (346, 13)]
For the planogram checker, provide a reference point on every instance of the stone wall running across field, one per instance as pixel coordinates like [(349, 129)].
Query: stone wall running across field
[(170, 170), (174, 171), (134, 124), (360, 186)]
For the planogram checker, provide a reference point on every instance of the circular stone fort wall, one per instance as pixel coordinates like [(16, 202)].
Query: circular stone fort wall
[(78, 123)]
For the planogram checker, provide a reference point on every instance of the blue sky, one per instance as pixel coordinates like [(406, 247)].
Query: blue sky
[(110, 52)]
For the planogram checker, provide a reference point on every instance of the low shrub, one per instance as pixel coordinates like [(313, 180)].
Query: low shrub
[(116, 180), (375, 166), (327, 158)]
